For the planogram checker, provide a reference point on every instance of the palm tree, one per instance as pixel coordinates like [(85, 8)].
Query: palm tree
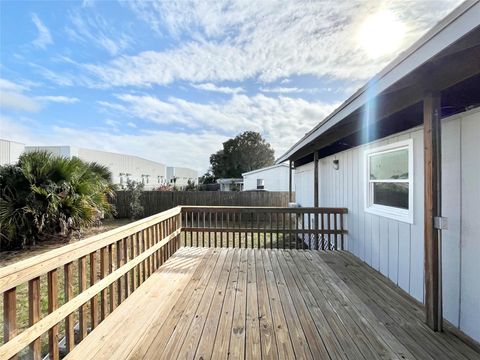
[(43, 196)]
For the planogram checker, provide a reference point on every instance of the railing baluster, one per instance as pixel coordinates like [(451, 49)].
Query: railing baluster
[(52, 279), (9, 315), (341, 228), (271, 228), (69, 320), (336, 230), (126, 254), (119, 254), (216, 227), (309, 231), (329, 231), (82, 286), (103, 293), (94, 300), (324, 235), (34, 315), (111, 267)]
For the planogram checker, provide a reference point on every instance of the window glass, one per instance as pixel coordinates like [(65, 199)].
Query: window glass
[(389, 165), (391, 194)]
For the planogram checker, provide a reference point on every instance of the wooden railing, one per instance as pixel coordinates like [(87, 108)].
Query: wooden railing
[(97, 275), (264, 227), (67, 292)]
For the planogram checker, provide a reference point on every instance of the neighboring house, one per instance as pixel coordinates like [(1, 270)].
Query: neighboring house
[(271, 178), (10, 151), (123, 167), (180, 176), (230, 184), (402, 153)]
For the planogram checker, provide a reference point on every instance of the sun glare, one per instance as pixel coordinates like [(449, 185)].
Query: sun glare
[(381, 34)]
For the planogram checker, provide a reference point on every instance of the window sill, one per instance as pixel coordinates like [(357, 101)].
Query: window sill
[(400, 215)]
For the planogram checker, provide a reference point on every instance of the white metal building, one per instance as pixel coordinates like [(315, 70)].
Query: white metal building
[(10, 151), (122, 166), (180, 176), (271, 178), (403, 156)]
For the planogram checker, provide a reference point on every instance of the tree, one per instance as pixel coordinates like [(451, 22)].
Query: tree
[(43, 196), (246, 152), (207, 178)]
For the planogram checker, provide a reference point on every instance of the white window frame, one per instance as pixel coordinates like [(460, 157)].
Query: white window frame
[(403, 215)]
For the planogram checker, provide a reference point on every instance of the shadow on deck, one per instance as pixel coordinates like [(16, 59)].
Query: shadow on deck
[(255, 303)]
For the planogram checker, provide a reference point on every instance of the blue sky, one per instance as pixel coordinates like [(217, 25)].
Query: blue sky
[(170, 81)]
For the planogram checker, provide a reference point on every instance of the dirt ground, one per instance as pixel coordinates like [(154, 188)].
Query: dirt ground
[(10, 257)]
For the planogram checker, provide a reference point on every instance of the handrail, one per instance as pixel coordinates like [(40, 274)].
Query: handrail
[(264, 227), (25, 270), (115, 263)]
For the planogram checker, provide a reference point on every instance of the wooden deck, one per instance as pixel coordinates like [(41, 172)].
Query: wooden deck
[(210, 303)]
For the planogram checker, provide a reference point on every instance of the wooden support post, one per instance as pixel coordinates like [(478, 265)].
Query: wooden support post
[(290, 175), (432, 164), (315, 198)]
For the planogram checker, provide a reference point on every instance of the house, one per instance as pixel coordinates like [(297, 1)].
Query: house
[(123, 167), (10, 151), (180, 176), (230, 184), (403, 156), (271, 178)]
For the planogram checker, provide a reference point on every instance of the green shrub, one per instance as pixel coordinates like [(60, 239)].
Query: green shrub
[(134, 190), (44, 197)]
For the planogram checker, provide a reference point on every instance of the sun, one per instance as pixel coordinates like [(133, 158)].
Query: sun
[(381, 34)]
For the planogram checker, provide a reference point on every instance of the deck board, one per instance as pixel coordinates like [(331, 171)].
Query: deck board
[(271, 304)]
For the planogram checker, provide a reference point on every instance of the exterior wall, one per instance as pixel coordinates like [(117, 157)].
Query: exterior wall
[(10, 151), (304, 185), (183, 175), (275, 178), (460, 204), (128, 164), (64, 151), (118, 164), (395, 248)]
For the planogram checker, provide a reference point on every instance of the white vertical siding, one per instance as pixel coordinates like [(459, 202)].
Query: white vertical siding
[(396, 248), (10, 151), (275, 178), (470, 226)]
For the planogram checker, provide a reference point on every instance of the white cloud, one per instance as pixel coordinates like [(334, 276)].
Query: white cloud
[(168, 147), (18, 101), (98, 31), (282, 90), (132, 124), (44, 37), (11, 96), (282, 120), (220, 89), (271, 40), (58, 99)]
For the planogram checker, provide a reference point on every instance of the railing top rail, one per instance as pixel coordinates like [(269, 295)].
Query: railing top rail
[(25, 270), (332, 210)]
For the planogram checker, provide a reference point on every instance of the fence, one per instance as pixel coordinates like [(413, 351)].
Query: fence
[(154, 202)]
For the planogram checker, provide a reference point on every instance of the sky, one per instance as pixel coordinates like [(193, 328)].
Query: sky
[(170, 81)]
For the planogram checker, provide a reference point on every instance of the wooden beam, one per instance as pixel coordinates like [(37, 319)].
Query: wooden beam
[(315, 196), (290, 170), (432, 208)]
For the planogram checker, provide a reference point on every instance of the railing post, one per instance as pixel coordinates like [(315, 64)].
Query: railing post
[(9, 315), (315, 197)]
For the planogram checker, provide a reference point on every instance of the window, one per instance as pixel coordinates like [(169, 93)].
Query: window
[(260, 184), (389, 182)]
